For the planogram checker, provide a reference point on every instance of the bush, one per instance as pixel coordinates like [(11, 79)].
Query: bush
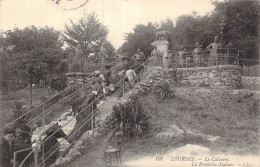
[(163, 90), (130, 118), (18, 109)]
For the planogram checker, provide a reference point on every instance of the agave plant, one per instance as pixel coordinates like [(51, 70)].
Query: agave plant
[(163, 90), (130, 118)]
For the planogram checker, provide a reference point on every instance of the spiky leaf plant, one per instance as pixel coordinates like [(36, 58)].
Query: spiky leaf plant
[(163, 90), (130, 118)]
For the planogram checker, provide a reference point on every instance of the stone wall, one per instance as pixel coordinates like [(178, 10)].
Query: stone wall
[(222, 76), (252, 83), (76, 77)]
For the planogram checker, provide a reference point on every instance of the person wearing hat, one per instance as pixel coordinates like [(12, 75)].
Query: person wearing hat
[(97, 87), (6, 148), (83, 117), (138, 56), (181, 56), (107, 75), (130, 75), (114, 79), (50, 145)]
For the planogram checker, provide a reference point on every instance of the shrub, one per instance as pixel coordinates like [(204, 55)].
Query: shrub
[(130, 118), (18, 109), (163, 90)]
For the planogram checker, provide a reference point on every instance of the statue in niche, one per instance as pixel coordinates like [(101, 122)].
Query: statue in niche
[(160, 34)]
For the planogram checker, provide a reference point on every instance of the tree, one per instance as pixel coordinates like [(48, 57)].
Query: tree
[(241, 28), (88, 32), (190, 29), (34, 55), (242, 24), (141, 38), (109, 49), (169, 27), (35, 52)]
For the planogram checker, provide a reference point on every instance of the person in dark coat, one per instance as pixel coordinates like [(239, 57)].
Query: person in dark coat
[(50, 145), (6, 153), (83, 115), (107, 75), (97, 87)]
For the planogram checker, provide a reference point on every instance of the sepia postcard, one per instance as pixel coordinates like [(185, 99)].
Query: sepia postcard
[(131, 83)]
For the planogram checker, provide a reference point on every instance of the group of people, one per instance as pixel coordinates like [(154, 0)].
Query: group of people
[(195, 58), (112, 79), (15, 139), (19, 138), (213, 55), (104, 83)]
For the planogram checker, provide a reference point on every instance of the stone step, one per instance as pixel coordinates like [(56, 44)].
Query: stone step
[(67, 132), (63, 142), (70, 117), (68, 128), (67, 122)]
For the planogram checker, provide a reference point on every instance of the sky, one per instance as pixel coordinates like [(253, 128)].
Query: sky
[(120, 16)]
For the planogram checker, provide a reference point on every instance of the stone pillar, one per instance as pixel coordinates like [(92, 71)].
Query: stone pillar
[(163, 47)]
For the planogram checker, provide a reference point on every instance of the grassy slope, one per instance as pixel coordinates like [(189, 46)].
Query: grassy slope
[(39, 95), (211, 111), (7, 101)]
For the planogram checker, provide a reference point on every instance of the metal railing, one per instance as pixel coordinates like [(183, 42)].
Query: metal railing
[(51, 103), (250, 67), (26, 158), (91, 119), (223, 56), (122, 89), (124, 86), (45, 105)]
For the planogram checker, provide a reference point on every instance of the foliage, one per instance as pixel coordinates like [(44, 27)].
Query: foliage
[(109, 49), (141, 38), (130, 118), (18, 109), (241, 26), (34, 55), (163, 90), (89, 32)]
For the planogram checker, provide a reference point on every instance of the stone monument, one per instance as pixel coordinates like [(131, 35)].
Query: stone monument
[(162, 45)]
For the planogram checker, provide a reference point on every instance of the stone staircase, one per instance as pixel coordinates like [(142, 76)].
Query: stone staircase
[(64, 144), (64, 119), (104, 110)]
